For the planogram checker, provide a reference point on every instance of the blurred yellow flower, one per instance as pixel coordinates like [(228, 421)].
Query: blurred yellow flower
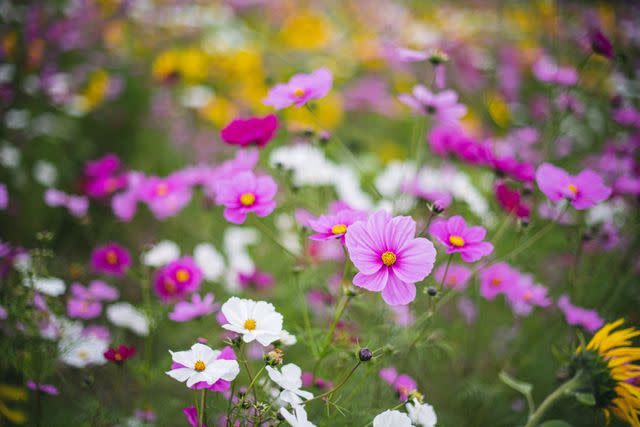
[(306, 30), (165, 66), (9, 42), (96, 89), (327, 114), (193, 65), (498, 110), (219, 111), (389, 151), (10, 393), (113, 34)]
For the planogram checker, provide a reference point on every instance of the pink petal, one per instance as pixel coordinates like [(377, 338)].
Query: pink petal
[(398, 292), (372, 282), (415, 261)]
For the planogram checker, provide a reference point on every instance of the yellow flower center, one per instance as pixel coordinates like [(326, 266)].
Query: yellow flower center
[(162, 189), (83, 355), (573, 189), (339, 229), (111, 257), (298, 92), (388, 258), (247, 199), (249, 324), (456, 241), (182, 275), (199, 366), (496, 281)]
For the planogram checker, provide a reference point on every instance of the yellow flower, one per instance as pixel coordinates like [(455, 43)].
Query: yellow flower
[(219, 111), (609, 359), (10, 393), (96, 89), (165, 66), (327, 113), (193, 65), (306, 30)]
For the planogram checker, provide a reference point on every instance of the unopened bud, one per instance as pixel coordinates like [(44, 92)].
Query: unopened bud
[(365, 355)]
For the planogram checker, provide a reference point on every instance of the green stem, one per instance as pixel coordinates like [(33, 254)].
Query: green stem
[(342, 305), (444, 276), (253, 381), (558, 394), (336, 388), (264, 230), (202, 407)]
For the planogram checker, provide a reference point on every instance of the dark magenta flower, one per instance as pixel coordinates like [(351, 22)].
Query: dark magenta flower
[(111, 259), (583, 190), (257, 279), (120, 354), (511, 200), (177, 279), (252, 131), (600, 43)]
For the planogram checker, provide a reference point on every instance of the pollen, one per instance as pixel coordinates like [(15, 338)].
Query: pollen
[(388, 258), (456, 241), (111, 257), (199, 366), (249, 324), (162, 189), (339, 229), (247, 199), (573, 189), (182, 275), (298, 92)]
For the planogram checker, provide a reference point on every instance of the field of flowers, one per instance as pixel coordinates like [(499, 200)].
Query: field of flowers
[(333, 213)]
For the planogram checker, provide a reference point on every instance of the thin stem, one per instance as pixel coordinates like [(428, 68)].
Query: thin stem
[(203, 403), (264, 230), (336, 388), (444, 276), (253, 381), (432, 215), (558, 394), (342, 305)]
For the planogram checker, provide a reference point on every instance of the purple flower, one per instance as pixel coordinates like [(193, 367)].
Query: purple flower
[(105, 165), (583, 190), (600, 43), (335, 226), (76, 205), (125, 204), (177, 279), (497, 279), (44, 388), (165, 196), (111, 259), (192, 416), (468, 309), (443, 106), (389, 257), (457, 276), (525, 295), (185, 311), (4, 196), (85, 303), (245, 192), (578, 316), (300, 89), (257, 279), (547, 71), (254, 130), (403, 384), (457, 237)]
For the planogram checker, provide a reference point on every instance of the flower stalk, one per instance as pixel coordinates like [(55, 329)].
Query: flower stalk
[(555, 396)]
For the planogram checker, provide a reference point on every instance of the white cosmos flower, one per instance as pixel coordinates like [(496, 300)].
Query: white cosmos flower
[(47, 285), (287, 338), (209, 260), (290, 379), (125, 315), (254, 320), (201, 363), (161, 254), (82, 352), (297, 420), (392, 419), (422, 414)]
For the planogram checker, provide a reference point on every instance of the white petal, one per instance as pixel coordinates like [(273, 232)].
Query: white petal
[(180, 374)]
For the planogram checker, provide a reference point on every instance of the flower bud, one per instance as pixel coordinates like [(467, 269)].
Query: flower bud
[(365, 355), (432, 291), (274, 358)]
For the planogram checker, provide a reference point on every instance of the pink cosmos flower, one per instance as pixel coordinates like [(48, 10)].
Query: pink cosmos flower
[(85, 303), (583, 190), (105, 165), (578, 316), (185, 311), (4, 197), (165, 196), (468, 309), (497, 279), (389, 257), (457, 237), (43, 388), (177, 279), (443, 106), (547, 71), (260, 280), (221, 385), (100, 178), (457, 276), (245, 192), (335, 226), (254, 130), (111, 259), (525, 295), (403, 384), (76, 205), (439, 199), (192, 416), (125, 204), (119, 354), (300, 89)]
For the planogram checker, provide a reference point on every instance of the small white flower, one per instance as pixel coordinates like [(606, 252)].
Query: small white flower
[(47, 285), (290, 379), (201, 363), (9, 156), (392, 419), (84, 352), (286, 338), (254, 320), (209, 260), (422, 414), (125, 315), (161, 254), (45, 173), (196, 96), (297, 420)]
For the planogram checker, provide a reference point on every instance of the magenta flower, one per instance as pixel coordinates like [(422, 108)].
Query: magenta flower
[(511, 200), (497, 279), (76, 205), (457, 276), (335, 226), (443, 106), (185, 311), (165, 196), (547, 71), (192, 416), (600, 43), (257, 279), (457, 237), (245, 192), (105, 165), (583, 190), (402, 383), (300, 89), (221, 385), (389, 257), (525, 295), (4, 196), (254, 130), (578, 316), (111, 259), (177, 279), (43, 388)]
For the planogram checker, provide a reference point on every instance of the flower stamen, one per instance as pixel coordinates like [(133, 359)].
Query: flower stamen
[(388, 258), (250, 324), (456, 241), (199, 366), (247, 199), (339, 229)]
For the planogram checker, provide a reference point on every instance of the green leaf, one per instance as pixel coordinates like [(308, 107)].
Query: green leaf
[(520, 386), (586, 398), (555, 423)]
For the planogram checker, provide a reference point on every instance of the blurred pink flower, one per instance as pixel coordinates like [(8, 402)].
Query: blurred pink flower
[(111, 259), (497, 279), (457, 276), (578, 316), (457, 237), (251, 131), (185, 311), (443, 106), (300, 89), (177, 279), (583, 190)]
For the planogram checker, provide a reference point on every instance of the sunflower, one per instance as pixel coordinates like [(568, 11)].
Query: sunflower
[(610, 374)]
